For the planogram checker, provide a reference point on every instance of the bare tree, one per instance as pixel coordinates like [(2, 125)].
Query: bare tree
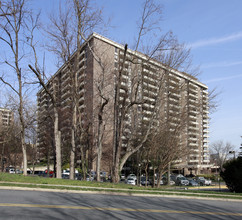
[(87, 19), (52, 95), (66, 36), (53, 98), (167, 51), (219, 152), (13, 15), (63, 44)]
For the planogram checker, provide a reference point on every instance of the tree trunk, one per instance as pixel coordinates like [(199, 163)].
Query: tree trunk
[(168, 174), (2, 157), (83, 159), (21, 116), (72, 155), (99, 150), (48, 163), (57, 144), (24, 158), (99, 157), (154, 177)]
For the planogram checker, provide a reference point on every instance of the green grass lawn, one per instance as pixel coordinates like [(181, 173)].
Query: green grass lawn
[(53, 181)]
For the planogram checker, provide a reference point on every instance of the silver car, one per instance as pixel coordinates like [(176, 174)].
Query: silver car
[(131, 181), (182, 181)]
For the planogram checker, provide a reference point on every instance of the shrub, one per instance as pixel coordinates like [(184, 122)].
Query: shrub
[(232, 175)]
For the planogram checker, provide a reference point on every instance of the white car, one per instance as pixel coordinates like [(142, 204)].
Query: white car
[(132, 176), (131, 181), (161, 182), (11, 170), (208, 182), (202, 181)]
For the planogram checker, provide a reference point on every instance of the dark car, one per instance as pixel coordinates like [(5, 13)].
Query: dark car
[(144, 182), (65, 176), (192, 182)]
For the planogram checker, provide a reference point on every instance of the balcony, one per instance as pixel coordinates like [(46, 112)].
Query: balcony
[(193, 145), (205, 116), (205, 92), (205, 148), (149, 93), (149, 99), (80, 71), (205, 135), (192, 95), (82, 53), (193, 161), (205, 126), (149, 80), (82, 61), (81, 100), (192, 139), (192, 123)]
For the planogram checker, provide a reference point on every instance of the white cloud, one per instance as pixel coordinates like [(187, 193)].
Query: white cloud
[(221, 64), (223, 78), (213, 41)]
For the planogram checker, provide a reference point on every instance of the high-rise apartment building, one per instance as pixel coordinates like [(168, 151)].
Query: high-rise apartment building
[(184, 100)]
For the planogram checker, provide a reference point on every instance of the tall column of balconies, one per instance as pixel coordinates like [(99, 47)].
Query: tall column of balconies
[(125, 89), (81, 78), (194, 143), (150, 85), (205, 128), (174, 103), (44, 121)]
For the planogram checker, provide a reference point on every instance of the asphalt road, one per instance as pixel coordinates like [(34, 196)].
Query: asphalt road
[(15, 204)]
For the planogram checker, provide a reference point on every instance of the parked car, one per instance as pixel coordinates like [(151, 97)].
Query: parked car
[(39, 172), (131, 181), (51, 173), (192, 182), (202, 181), (88, 178), (165, 181), (161, 182), (78, 176), (182, 181), (18, 171), (103, 174), (11, 170), (144, 182), (66, 172), (132, 176), (122, 177), (65, 176)]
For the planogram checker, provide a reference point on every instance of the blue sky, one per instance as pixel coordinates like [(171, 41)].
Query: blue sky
[(213, 30)]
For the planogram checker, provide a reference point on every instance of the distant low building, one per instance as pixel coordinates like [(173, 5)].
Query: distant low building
[(6, 117)]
